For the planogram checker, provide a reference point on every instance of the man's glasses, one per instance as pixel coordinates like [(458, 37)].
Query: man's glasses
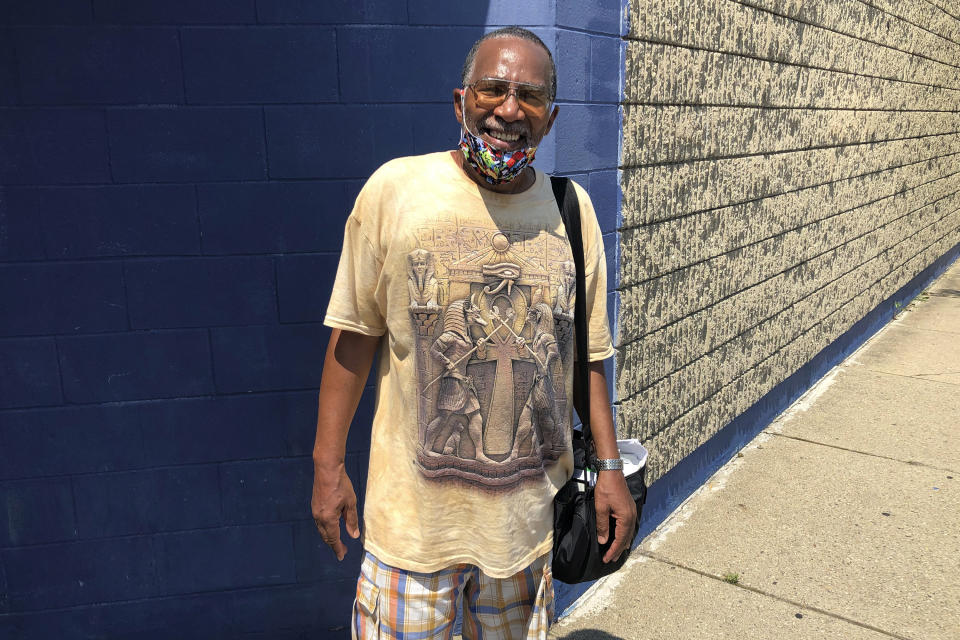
[(490, 93)]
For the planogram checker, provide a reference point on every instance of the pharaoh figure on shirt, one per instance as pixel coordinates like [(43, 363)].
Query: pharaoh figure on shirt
[(492, 404)]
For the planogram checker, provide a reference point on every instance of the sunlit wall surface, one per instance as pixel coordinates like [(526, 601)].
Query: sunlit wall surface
[(787, 166)]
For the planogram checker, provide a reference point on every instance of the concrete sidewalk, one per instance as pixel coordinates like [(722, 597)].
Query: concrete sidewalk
[(840, 520)]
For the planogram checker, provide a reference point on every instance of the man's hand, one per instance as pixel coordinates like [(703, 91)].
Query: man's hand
[(345, 370), (611, 495), (612, 498), (333, 498)]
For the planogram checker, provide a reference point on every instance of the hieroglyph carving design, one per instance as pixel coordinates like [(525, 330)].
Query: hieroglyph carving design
[(492, 311)]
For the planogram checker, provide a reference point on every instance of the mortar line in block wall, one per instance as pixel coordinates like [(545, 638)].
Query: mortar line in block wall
[(900, 282), (250, 106), (211, 351), (266, 142), (145, 401), (164, 597), (59, 357), (788, 63), (73, 505), (183, 72), (747, 3), (780, 152), (336, 50), (161, 533), (160, 257), (627, 344), (738, 203), (943, 9), (629, 287), (785, 349), (790, 268), (720, 209), (908, 21), (198, 218), (197, 398), (778, 107), (177, 183), (144, 330), (796, 337), (293, 459), (938, 7), (633, 340), (588, 32), (126, 292), (109, 148), (220, 493)]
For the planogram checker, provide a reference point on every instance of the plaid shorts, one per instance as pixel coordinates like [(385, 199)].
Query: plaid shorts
[(394, 603)]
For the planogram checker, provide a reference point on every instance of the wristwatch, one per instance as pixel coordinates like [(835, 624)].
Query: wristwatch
[(609, 464)]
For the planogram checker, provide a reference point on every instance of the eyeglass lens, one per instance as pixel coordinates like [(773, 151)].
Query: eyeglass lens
[(492, 93)]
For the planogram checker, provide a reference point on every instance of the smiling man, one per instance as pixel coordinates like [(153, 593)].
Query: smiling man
[(457, 271)]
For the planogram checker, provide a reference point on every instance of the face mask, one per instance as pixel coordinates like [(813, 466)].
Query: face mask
[(495, 165)]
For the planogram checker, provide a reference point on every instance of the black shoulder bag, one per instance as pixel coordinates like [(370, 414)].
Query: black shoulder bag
[(577, 555)]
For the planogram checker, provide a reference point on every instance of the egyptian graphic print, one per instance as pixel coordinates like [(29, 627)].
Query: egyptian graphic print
[(493, 318)]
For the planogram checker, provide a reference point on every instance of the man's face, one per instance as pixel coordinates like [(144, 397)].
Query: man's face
[(507, 127)]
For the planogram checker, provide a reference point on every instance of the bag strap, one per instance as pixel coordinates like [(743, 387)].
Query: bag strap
[(569, 207)]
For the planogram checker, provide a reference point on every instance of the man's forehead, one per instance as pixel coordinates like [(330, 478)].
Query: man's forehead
[(513, 59)]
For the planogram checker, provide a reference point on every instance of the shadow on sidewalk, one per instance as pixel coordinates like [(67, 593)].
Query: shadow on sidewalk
[(945, 293), (589, 634)]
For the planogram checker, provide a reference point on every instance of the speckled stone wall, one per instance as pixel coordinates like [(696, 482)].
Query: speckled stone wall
[(787, 166)]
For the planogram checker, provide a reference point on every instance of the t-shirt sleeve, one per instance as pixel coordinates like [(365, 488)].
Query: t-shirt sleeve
[(600, 345), (355, 303)]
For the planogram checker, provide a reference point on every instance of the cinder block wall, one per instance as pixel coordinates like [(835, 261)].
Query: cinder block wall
[(174, 179), (787, 166)]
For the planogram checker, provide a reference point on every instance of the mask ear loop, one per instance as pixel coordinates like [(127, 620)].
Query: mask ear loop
[(463, 112)]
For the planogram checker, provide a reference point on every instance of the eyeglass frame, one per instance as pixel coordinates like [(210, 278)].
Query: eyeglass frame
[(513, 87)]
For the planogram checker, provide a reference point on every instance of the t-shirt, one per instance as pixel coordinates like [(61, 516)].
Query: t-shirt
[(473, 292)]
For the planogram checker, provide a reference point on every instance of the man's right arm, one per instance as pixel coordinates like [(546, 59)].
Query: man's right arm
[(345, 369)]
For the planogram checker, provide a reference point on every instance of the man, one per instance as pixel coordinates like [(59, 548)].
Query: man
[(456, 267)]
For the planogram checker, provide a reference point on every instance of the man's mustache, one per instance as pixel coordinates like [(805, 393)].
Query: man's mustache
[(495, 123)]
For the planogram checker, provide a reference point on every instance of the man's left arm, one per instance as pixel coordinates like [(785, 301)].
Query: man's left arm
[(611, 495)]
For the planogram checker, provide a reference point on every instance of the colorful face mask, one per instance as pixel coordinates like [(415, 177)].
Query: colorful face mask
[(495, 165)]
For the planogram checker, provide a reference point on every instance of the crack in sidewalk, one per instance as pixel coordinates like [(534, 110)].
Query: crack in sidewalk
[(807, 607), (909, 376), (912, 463)]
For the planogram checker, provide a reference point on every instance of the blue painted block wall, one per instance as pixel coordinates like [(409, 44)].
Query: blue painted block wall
[(174, 179)]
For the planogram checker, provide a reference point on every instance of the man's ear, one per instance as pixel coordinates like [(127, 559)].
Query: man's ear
[(553, 116), (458, 104)]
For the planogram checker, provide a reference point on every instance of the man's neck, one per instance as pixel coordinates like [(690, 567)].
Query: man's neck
[(518, 185)]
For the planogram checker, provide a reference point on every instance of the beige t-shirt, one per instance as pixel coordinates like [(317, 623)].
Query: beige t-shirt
[(474, 293)]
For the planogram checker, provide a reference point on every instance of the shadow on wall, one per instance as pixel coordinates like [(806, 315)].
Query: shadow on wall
[(175, 181)]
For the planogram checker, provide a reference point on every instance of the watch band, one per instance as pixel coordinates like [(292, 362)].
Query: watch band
[(609, 464)]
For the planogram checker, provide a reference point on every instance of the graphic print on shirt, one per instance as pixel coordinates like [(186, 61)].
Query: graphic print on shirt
[(493, 318)]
